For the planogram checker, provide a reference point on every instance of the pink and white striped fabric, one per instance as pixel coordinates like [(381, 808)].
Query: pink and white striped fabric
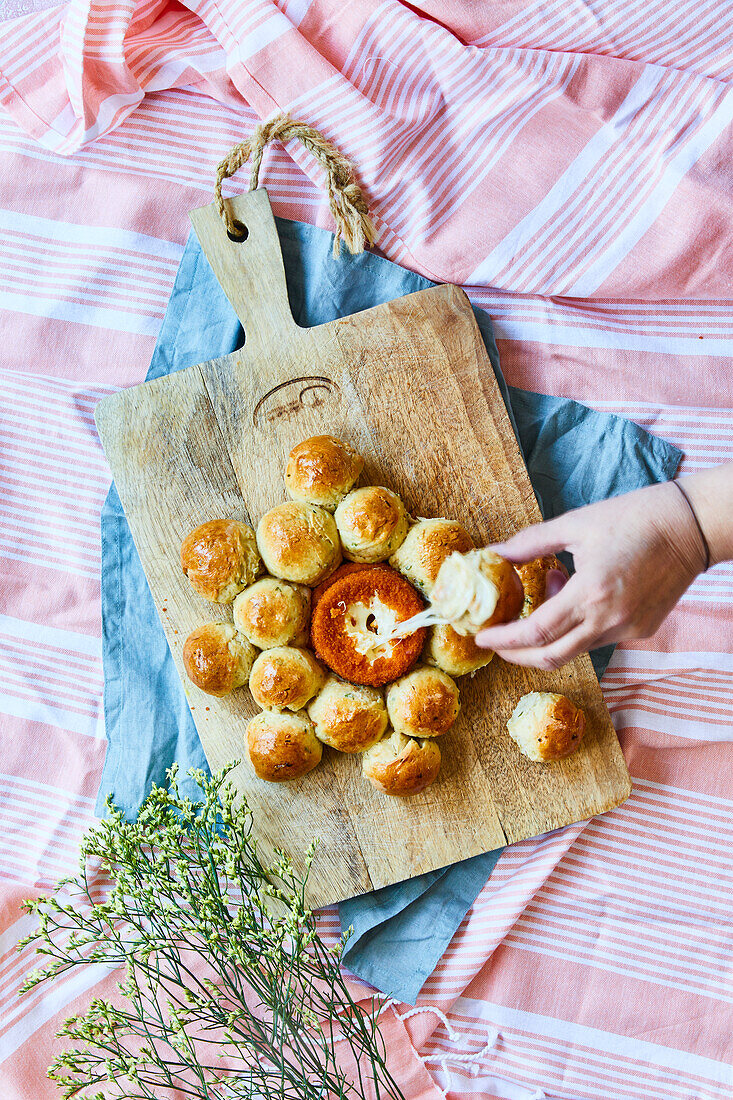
[(568, 162)]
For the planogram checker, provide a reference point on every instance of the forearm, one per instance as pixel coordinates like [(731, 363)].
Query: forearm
[(711, 495)]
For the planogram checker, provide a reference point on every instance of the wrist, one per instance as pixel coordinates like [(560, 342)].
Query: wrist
[(711, 496)]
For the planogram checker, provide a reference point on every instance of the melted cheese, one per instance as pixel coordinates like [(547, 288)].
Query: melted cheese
[(372, 628)]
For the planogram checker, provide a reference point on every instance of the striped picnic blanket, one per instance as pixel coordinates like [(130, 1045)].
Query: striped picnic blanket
[(568, 163)]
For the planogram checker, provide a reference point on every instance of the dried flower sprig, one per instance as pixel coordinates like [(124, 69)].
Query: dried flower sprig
[(228, 990)]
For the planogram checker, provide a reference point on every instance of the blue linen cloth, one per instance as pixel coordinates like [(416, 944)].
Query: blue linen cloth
[(574, 455)]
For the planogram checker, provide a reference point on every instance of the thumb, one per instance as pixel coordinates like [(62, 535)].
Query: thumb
[(535, 541)]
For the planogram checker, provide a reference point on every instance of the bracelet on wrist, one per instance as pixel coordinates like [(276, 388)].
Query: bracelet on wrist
[(697, 524)]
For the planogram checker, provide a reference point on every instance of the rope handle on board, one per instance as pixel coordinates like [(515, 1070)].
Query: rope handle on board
[(345, 197)]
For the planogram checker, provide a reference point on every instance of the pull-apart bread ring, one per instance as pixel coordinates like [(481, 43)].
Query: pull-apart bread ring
[(322, 470), (299, 542), (217, 659), (220, 559), (398, 765), (353, 619)]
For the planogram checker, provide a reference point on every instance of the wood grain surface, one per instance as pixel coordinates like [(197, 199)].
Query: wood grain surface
[(410, 385)]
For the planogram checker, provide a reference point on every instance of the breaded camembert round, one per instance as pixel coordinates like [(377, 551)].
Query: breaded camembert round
[(533, 575), (397, 765), (220, 558), (348, 717), (299, 542), (424, 703), (546, 726), (273, 612), (282, 745), (476, 590), (217, 659), (457, 654), (285, 678), (426, 546), (372, 523), (322, 470), (353, 620)]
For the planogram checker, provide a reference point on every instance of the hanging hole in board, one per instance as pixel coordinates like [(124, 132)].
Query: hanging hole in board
[(240, 232)]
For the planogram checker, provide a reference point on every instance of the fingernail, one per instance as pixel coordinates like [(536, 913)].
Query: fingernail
[(554, 583)]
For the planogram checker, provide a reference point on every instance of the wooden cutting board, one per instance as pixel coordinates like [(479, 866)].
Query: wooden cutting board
[(410, 385)]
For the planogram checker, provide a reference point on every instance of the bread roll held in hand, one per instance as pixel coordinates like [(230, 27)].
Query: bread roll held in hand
[(424, 703), (348, 717), (372, 523), (398, 765), (533, 575), (273, 612), (285, 677), (299, 542), (220, 558), (456, 654), (476, 590), (217, 659), (322, 470), (281, 745), (426, 546), (546, 726)]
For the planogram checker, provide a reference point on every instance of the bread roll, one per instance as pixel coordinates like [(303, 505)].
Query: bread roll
[(533, 575), (220, 559), (457, 654), (425, 547), (398, 765), (322, 470), (348, 717), (546, 726), (217, 659), (476, 590), (282, 745), (299, 542), (372, 523), (424, 703), (285, 678), (352, 623), (272, 612)]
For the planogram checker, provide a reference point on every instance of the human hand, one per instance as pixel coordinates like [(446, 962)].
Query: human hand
[(634, 557)]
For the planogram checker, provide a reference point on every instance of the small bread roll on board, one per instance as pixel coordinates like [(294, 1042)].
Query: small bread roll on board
[(425, 547), (533, 575), (285, 678), (546, 726), (457, 654), (424, 703), (476, 590), (282, 745), (220, 558), (397, 765), (348, 717), (322, 470), (272, 612), (217, 659), (372, 523), (299, 542)]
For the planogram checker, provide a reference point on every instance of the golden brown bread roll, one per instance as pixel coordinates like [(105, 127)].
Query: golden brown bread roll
[(546, 726), (273, 612), (457, 654), (322, 470), (533, 575), (426, 546), (220, 559), (348, 717), (372, 523), (285, 677), (424, 703), (217, 659), (299, 542), (398, 765), (476, 590), (282, 745)]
